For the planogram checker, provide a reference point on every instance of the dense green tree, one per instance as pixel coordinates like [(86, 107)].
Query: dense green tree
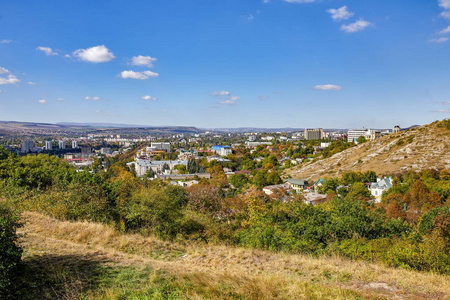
[(273, 178), (10, 252), (260, 179), (359, 189), (370, 176), (159, 210), (361, 140), (330, 185), (238, 180)]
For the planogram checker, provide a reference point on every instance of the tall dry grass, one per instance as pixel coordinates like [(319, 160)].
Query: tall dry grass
[(223, 272)]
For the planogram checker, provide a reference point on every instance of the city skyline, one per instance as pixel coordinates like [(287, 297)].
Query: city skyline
[(226, 64)]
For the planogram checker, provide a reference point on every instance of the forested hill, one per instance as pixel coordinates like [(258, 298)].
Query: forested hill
[(417, 148)]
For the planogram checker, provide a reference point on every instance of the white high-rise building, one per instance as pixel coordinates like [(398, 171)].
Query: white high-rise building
[(48, 145), (74, 144), (27, 146), (62, 145)]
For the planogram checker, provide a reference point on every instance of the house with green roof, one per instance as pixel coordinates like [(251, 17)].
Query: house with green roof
[(297, 184)]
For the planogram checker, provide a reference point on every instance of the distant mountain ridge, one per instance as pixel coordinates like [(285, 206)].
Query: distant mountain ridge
[(24, 128), (106, 125)]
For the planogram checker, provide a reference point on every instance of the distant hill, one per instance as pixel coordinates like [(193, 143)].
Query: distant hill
[(417, 148), (102, 125), (37, 128)]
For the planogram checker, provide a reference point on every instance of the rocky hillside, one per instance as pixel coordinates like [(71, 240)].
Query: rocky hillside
[(421, 147)]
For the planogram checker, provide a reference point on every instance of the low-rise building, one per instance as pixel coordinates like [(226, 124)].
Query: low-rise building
[(106, 150), (298, 185), (142, 166), (368, 134), (314, 198), (222, 150), (269, 190), (377, 188)]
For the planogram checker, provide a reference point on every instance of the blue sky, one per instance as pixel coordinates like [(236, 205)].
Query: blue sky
[(226, 63)]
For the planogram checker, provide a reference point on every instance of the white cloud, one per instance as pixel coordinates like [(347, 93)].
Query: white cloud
[(92, 98), (445, 30), (42, 101), (220, 93), (340, 13), (444, 4), (249, 17), (31, 83), (133, 75), (359, 25), (445, 14), (234, 98), (60, 99), (47, 50), (142, 61), (150, 98), (138, 75), (439, 40), (300, 1), (263, 97), (328, 87), (150, 74), (97, 54), (9, 79), (67, 55), (227, 102), (5, 41)]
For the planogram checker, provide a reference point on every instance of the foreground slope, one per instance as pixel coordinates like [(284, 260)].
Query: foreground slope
[(418, 148), (74, 260)]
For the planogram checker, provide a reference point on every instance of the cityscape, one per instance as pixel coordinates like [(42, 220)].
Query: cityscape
[(261, 149)]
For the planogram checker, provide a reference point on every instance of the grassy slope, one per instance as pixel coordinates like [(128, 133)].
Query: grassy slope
[(418, 148), (85, 260)]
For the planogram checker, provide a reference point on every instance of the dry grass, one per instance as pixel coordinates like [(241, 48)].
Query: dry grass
[(415, 149), (223, 272)]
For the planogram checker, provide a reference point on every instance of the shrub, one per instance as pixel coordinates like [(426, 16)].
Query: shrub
[(10, 252)]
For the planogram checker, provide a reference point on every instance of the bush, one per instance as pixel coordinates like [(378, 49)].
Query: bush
[(10, 252)]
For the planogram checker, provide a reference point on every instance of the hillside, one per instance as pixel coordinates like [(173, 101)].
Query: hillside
[(82, 260), (417, 148)]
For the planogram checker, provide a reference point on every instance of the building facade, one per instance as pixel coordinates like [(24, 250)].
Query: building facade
[(368, 134), (27, 146), (313, 134), (354, 134), (161, 146), (48, 145)]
